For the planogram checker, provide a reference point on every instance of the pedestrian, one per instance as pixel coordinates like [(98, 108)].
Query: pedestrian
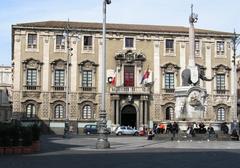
[(234, 135), (174, 130), (210, 131), (150, 134)]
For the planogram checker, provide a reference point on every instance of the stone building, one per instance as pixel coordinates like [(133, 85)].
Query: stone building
[(5, 92), (144, 65)]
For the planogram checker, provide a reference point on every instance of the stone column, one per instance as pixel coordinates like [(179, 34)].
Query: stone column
[(146, 112), (117, 112), (113, 111), (141, 113)]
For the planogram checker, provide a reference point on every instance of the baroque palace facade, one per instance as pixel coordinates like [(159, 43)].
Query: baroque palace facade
[(40, 51)]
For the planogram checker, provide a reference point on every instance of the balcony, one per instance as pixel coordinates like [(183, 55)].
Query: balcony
[(130, 90), (31, 91), (58, 88), (88, 89), (169, 91), (31, 87), (221, 92)]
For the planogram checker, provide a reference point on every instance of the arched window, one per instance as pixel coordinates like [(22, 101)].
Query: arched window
[(221, 114), (59, 111), (87, 112), (169, 113), (31, 110)]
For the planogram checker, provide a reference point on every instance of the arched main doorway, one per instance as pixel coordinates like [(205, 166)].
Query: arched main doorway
[(129, 116)]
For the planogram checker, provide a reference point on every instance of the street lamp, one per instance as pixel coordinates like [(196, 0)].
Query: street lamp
[(102, 141), (235, 41), (69, 49)]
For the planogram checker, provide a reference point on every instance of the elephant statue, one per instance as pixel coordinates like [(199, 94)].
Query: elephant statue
[(186, 77)]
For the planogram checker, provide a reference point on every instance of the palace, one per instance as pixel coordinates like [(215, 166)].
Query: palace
[(144, 65)]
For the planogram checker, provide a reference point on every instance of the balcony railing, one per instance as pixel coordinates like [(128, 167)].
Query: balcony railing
[(32, 87), (169, 90), (87, 48), (58, 88), (87, 89), (130, 90), (221, 92)]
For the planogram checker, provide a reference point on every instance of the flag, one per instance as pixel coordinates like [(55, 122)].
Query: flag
[(145, 76), (113, 83)]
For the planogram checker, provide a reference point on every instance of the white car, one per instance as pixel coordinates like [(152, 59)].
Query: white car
[(124, 130)]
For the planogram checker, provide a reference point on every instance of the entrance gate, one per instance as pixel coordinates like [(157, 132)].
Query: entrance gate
[(129, 116)]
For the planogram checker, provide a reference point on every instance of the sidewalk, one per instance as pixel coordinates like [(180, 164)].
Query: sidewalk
[(88, 143)]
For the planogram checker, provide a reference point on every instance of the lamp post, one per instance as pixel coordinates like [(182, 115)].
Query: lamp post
[(102, 141), (66, 124), (235, 41)]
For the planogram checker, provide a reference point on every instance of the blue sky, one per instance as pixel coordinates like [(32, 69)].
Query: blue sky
[(222, 15)]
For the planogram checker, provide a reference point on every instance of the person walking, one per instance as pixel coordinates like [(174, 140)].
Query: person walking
[(174, 130)]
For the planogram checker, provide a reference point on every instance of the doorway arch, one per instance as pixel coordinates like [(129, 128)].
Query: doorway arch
[(129, 116)]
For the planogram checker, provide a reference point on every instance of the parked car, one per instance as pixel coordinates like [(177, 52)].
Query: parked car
[(93, 129), (124, 130)]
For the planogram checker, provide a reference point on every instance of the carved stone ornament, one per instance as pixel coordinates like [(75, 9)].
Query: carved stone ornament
[(88, 65), (58, 95), (169, 67), (59, 64), (129, 56), (168, 97), (31, 63), (87, 96), (222, 68), (31, 94)]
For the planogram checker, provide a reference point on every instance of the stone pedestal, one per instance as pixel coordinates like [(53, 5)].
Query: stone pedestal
[(190, 103)]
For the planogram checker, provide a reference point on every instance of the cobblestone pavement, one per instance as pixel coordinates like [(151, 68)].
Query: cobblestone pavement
[(126, 152)]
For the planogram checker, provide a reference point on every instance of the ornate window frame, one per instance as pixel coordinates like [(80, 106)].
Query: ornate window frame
[(25, 105), (165, 107), (54, 105), (87, 65), (223, 70), (169, 68), (32, 64), (226, 111), (129, 57), (58, 65), (93, 110)]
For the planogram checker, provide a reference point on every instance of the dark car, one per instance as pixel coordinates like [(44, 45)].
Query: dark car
[(93, 129), (90, 129)]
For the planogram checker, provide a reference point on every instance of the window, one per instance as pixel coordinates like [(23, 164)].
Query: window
[(169, 113), (197, 48), (60, 42), (129, 42), (220, 79), (169, 46), (31, 77), (32, 40), (221, 114), (31, 110), (220, 47), (59, 77), (59, 111), (87, 112), (169, 80), (87, 79), (129, 76), (87, 42)]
